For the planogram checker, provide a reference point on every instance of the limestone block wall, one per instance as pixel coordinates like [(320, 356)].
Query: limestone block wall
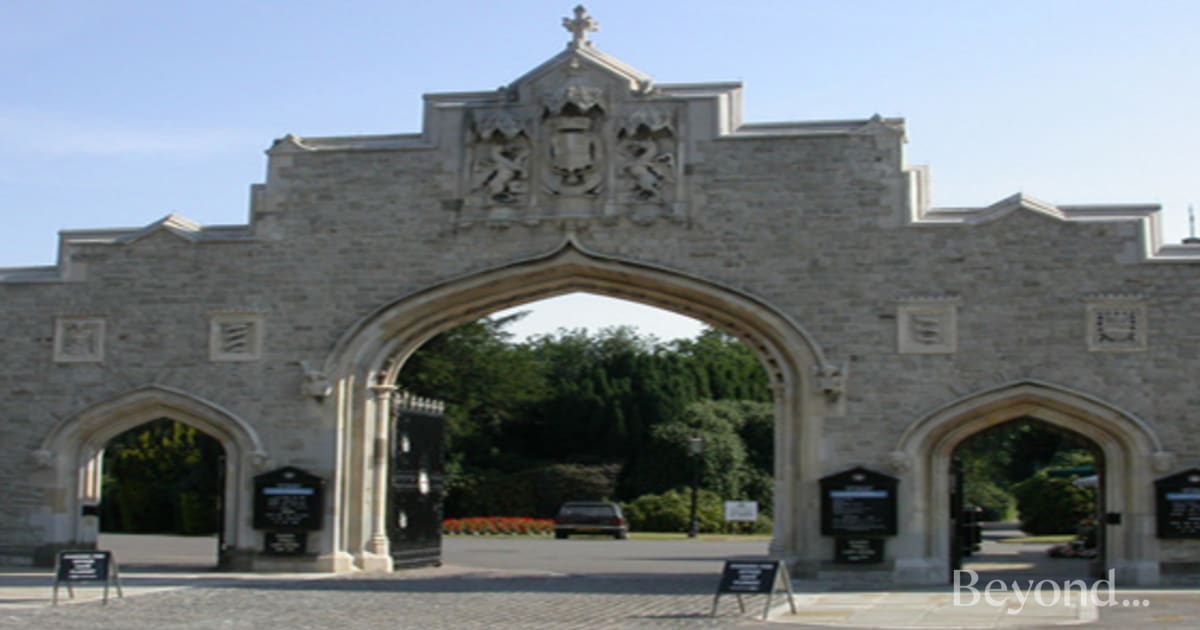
[(821, 222)]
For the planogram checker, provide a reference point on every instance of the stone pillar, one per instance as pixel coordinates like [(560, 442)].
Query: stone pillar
[(91, 481), (378, 552)]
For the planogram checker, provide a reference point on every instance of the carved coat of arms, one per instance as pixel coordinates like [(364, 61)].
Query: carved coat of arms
[(575, 156), (573, 144)]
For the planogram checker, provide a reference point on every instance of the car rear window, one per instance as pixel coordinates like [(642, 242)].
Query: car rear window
[(587, 510)]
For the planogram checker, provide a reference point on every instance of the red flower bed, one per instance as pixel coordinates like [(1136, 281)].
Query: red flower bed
[(498, 525)]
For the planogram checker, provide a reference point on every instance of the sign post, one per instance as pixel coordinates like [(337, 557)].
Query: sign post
[(749, 577), (86, 566)]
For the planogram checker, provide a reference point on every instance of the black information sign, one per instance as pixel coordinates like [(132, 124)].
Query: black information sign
[(285, 543), (86, 566), (753, 577), (858, 502), (83, 566), (1178, 505), (748, 577), (288, 499), (858, 550)]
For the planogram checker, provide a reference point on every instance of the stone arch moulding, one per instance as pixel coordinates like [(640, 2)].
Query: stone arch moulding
[(1132, 453), (369, 356), (74, 450)]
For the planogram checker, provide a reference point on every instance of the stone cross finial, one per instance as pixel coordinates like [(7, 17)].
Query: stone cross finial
[(581, 26)]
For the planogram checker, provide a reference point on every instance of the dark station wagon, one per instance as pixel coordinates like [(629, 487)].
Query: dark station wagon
[(590, 517)]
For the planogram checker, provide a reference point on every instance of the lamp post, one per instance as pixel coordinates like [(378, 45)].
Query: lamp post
[(695, 450)]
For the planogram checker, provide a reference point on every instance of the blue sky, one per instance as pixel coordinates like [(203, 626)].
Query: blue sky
[(116, 113)]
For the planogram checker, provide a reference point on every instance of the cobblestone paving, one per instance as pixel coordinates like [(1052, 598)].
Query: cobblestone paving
[(1168, 609), (472, 598), (427, 600)]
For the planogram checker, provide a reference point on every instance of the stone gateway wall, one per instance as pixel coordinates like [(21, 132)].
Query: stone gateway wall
[(892, 330)]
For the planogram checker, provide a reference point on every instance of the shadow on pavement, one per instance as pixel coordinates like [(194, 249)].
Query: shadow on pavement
[(490, 582)]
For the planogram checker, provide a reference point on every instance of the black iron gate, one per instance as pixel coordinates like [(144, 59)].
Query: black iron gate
[(966, 521), (417, 481), (956, 510)]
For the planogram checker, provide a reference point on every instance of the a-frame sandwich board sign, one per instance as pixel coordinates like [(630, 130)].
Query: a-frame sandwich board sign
[(752, 577), (86, 565)]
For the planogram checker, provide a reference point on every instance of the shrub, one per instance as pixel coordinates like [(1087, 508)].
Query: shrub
[(671, 511), (197, 514), (1052, 505), (764, 525), (996, 503), (160, 478), (140, 509), (537, 491), (553, 485)]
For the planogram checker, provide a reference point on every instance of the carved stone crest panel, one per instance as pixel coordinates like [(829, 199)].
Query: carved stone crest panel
[(575, 144), (79, 340), (499, 175), (1116, 324), (235, 337), (574, 147), (647, 150), (927, 326)]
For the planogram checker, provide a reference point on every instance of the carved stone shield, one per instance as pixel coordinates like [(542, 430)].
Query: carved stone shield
[(572, 150), (575, 156)]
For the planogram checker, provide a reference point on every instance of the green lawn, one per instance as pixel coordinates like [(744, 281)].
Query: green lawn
[(701, 537), (644, 536), (1037, 540)]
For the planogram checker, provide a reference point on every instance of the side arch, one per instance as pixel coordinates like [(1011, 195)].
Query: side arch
[(367, 359), (1130, 446), (74, 449)]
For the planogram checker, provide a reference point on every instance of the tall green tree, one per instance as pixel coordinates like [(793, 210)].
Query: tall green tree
[(162, 477), (725, 368), (995, 461), (729, 464), (486, 381), (599, 400)]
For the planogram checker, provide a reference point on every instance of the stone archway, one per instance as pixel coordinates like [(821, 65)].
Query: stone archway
[(368, 358), (73, 454), (1130, 448)]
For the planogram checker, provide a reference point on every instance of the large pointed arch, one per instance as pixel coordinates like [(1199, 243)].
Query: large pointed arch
[(371, 353), (1130, 447), (380, 340), (74, 449)]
